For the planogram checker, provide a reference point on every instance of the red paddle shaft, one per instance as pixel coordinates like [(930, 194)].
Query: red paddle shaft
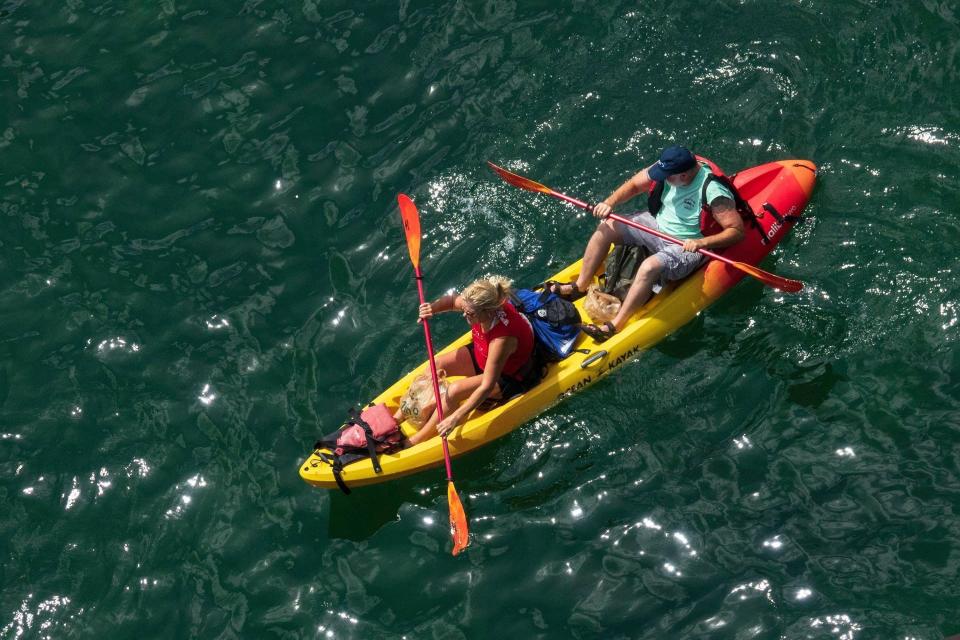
[(433, 371), (459, 528)]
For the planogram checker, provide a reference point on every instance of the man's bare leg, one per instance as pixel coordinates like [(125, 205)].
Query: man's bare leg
[(641, 287), (596, 252)]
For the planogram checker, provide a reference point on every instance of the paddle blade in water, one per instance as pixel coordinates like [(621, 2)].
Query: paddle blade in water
[(777, 282), (520, 181), (458, 520), (530, 185), (411, 227)]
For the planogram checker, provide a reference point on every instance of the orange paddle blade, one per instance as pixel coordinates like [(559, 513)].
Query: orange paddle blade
[(411, 227), (777, 282), (520, 181), (458, 520)]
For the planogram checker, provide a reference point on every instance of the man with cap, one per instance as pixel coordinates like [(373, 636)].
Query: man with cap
[(679, 216)]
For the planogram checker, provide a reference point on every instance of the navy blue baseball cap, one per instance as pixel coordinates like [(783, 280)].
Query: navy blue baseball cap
[(673, 160)]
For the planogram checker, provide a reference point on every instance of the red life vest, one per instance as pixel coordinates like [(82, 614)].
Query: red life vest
[(507, 322), (708, 224)]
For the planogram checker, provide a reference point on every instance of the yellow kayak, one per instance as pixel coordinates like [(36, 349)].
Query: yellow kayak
[(777, 192)]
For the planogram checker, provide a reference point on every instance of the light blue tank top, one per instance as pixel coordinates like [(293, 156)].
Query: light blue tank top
[(680, 214)]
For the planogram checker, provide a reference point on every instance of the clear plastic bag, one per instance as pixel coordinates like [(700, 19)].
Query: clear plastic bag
[(420, 394), (601, 307)]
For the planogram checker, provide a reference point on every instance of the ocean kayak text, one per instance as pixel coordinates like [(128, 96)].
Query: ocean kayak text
[(604, 370)]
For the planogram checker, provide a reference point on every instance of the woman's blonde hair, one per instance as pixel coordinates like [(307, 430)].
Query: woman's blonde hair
[(488, 293)]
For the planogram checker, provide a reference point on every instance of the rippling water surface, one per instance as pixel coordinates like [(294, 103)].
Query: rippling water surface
[(202, 267)]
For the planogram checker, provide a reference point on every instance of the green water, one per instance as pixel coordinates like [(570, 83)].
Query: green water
[(202, 267)]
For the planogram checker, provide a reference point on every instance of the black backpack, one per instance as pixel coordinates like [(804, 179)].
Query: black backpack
[(621, 268)]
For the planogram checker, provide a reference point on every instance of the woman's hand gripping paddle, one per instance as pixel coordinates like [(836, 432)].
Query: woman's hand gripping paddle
[(458, 519), (775, 281)]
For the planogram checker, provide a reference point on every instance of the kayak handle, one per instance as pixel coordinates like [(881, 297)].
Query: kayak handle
[(589, 360)]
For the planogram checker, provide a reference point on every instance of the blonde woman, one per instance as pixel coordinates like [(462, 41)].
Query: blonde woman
[(498, 364)]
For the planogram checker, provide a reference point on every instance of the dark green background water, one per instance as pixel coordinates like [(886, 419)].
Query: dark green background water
[(202, 266)]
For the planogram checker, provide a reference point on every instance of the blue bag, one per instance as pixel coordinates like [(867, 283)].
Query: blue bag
[(556, 322)]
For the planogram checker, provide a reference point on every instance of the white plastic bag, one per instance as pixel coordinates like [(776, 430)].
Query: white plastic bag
[(601, 307), (420, 394)]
